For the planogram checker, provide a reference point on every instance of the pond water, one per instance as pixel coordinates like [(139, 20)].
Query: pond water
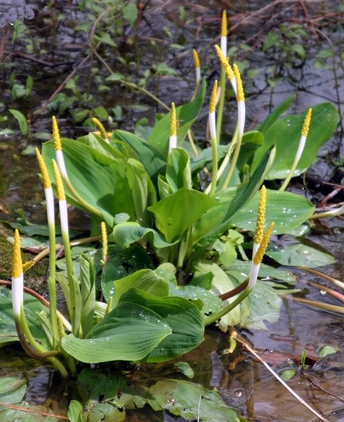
[(243, 383)]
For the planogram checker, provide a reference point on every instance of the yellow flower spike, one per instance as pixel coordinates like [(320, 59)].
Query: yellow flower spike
[(264, 243), (173, 122), (225, 64), (105, 242), (27, 265), (101, 128), (59, 185), (17, 260), (196, 58), (240, 90), (224, 24), (258, 236), (43, 169), (56, 135), (212, 102), (306, 123)]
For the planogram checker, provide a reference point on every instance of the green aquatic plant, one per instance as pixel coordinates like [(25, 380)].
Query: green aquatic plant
[(176, 213)]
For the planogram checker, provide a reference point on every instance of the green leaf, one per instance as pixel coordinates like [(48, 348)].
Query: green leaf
[(285, 134), (143, 191), (205, 156), (265, 305), (299, 49), (178, 173), (272, 39), (301, 255), (88, 292), (8, 332), (99, 144), (100, 180), (288, 374), (250, 142), (21, 119), (274, 115), (129, 332), (121, 263), (265, 271), (12, 389), (127, 233), (75, 411), (130, 12), (101, 112), (210, 302), (105, 37), (177, 212), (149, 156), (186, 115), (218, 219), (145, 280), (221, 284), (287, 210), (185, 369), (191, 401), (182, 316)]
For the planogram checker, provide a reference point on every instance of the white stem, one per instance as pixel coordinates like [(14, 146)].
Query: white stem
[(223, 44), (241, 116), (255, 248), (17, 294), (198, 74), (254, 271), (63, 216), (300, 148), (61, 163), (173, 142), (212, 126), (49, 197)]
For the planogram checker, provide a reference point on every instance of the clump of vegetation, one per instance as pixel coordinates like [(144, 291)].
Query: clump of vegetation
[(172, 219)]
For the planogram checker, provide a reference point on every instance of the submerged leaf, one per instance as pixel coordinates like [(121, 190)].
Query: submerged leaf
[(301, 255), (191, 401)]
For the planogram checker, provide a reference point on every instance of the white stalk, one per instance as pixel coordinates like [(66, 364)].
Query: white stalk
[(212, 126), (223, 45), (173, 142), (61, 163), (64, 216), (17, 295)]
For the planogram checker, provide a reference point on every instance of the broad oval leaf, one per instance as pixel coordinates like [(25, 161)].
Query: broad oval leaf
[(125, 234), (146, 280), (300, 255), (191, 401), (184, 318), (287, 210), (285, 134), (100, 180), (177, 212), (129, 332)]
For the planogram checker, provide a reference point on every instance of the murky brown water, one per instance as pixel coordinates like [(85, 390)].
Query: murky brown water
[(243, 383)]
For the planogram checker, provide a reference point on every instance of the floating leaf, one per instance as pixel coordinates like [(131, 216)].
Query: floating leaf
[(301, 255), (191, 401)]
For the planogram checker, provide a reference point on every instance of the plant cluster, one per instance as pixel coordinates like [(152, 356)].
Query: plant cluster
[(177, 214)]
